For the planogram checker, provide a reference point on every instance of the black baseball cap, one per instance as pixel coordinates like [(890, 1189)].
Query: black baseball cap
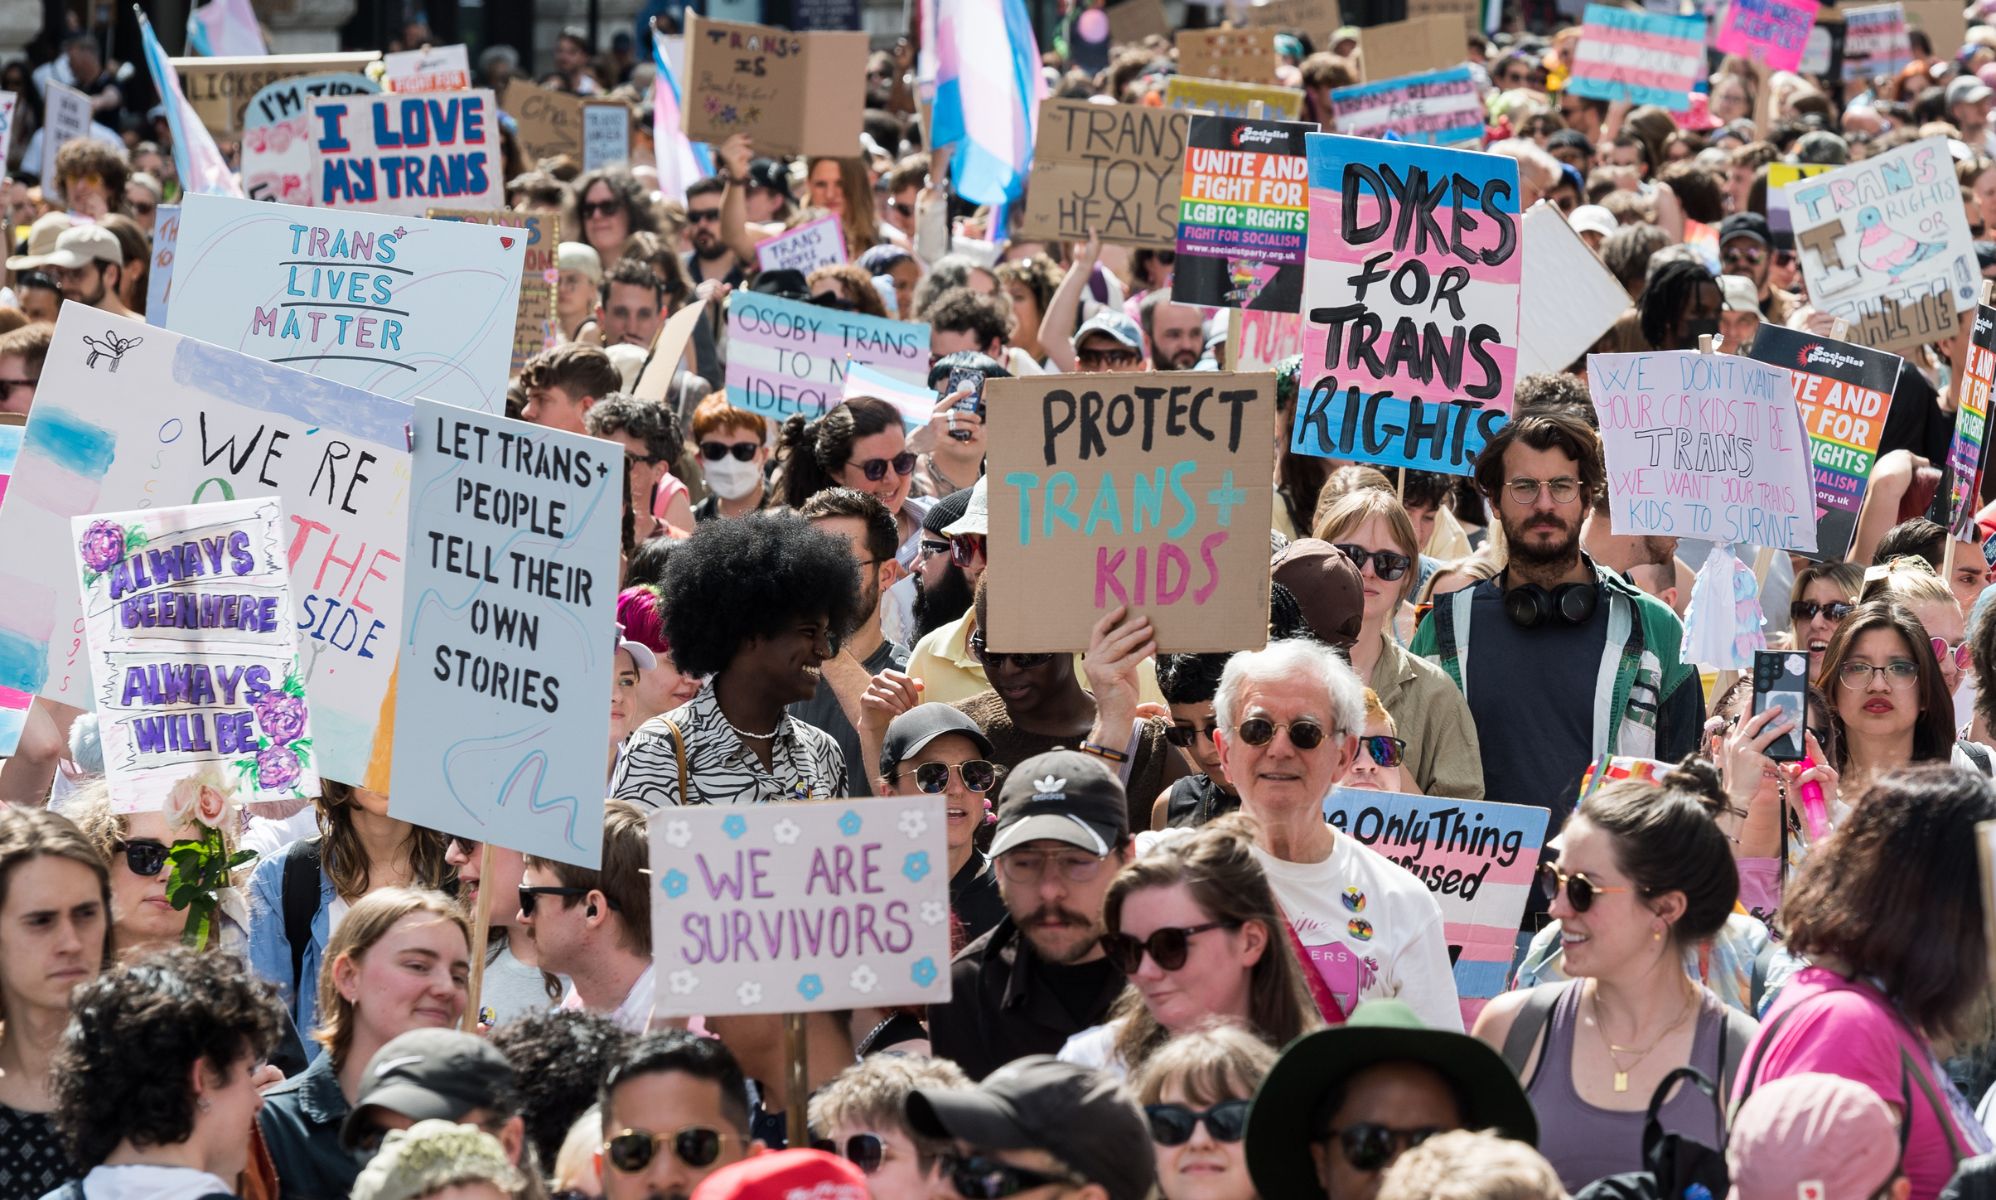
[(1744, 225), (946, 512), (1062, 796), (921, 725), (770, 173), (1081, 1116), (429, 1074)]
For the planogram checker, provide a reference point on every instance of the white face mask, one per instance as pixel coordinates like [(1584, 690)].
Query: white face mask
[(732, 479)]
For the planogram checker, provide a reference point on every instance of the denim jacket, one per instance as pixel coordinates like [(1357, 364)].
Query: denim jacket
[(270, 949)]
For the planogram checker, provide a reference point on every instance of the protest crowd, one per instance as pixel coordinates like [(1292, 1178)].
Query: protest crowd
[(764, 611)]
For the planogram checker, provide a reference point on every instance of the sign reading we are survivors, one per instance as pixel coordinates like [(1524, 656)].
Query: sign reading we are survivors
[(509, 603), (1706, 446), (1640, 57), (1113, 168), (402, 154), (187, 615), (1479, 857), (399, 306), (787, 356), (790, 908), (215, 425), (1150, 491), (1844, 393), (1243, 214), (1410, 303)]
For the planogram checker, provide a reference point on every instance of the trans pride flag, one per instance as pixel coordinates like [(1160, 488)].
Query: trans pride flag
[(988, 91), (680, 160), (195, 157)]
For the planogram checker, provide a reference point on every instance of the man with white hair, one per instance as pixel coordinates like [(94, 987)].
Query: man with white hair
[(1288, 720)]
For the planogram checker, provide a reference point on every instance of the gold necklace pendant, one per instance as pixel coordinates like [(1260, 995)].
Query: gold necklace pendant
[(1621, 1081)]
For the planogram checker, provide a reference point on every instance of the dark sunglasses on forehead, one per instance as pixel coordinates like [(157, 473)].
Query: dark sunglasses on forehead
[(696, 1145), (1580, 890), (976, 1177), (875, 469), (1172, 1124), (716, 451), (863, 1150), (143, 855), (994, 658)]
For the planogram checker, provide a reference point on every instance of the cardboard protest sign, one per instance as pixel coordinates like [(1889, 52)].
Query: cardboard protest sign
[(18, 657), (1243, 214), (788, 908), (814, 244), (1885, 245), (1571, 296), (547, 123), (1236, 55), (1966, 449), (1441, 108), (431, 69), (220, 88), (1843, 392), (1147, 490), (1413, 47), (606, 134), (1479, 857), (159, 272), (68, 117), (1780, 217), (1770, 32), (668, 350), (1110, 167), (1875, 41), (1941, 20), (1266, 338), (509, 624), (534, 327), (401, 154), (1644, 58), (187, 618), (1315, 17), (286, 99), (798, 93), (787, 356), (1223, 99), (399, 306), (1410, 342), (215, 425), (1705, 446), (1135, 20)]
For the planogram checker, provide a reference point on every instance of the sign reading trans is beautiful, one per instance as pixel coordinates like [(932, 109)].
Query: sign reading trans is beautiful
[(398, 306)]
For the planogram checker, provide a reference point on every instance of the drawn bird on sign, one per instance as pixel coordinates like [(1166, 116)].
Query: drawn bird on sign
[(1884, 249)]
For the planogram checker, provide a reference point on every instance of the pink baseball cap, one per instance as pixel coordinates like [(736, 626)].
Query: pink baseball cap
[(1812, 1137)]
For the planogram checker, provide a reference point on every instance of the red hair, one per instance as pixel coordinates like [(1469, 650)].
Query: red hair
[(641, 611)]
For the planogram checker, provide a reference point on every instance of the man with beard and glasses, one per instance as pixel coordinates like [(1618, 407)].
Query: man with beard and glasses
[(865, 524), (1040, 977), (710, 257), (1554, 630)]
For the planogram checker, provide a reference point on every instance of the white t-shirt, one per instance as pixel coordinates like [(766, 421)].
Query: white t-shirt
[(1369, 928)]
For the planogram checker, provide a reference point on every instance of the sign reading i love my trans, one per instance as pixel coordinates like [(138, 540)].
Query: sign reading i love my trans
[(1410, 303)]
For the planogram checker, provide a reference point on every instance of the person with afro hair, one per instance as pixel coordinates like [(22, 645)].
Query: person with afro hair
[(756, 606)]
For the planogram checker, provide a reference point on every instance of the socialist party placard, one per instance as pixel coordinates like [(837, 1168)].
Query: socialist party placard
[(1243, 213)]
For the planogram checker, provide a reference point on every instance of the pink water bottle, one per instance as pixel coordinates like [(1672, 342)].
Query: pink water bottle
[(1814, 810)]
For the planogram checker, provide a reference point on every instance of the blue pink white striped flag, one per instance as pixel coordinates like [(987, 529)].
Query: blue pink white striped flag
[(195, 156), (988, 92), (915, 404), (225, 27), (1644, 58), (681, 161)]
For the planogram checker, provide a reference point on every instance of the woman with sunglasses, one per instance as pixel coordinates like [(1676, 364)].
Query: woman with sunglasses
[(861, 1116), (1889, 703), (1643, 872), (400, 960), (930, 750), (1375, 532), (1823, 595), (1194, 927), (734, 453), (1196, 1091), (1381, 752), (613, 206), (861, 444), (136, 844), (846, 288)]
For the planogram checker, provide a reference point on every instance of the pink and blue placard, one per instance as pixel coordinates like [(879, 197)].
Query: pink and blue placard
[(1641, 57), (1440, 108), (1410, 303), (1770, 32), (791, 908), (788, 356)]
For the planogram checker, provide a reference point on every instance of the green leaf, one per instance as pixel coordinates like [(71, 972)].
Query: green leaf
[(294, 686), (240, 857), (262, 743)]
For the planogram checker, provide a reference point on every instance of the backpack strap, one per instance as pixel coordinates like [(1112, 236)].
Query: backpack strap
[(1735, 1035), (686, 793), (302, 865), (1942, 1112), (1529, 1025)]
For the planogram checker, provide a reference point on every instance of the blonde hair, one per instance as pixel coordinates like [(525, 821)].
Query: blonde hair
[(1343, 482), (1219, 1062), (1478, 567), (1346, 513), (1461, 1165), (874, 1093), (1375, 711), (366, 923), (575, 1162), (1908, 578)]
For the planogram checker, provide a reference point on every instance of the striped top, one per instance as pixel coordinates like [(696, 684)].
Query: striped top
[(805, 763)]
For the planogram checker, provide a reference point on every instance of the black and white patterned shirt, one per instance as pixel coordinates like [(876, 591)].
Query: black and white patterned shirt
[(805, 763)]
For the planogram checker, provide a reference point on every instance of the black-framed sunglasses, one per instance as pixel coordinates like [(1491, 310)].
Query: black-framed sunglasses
[(1387, 564), (696, 1145), (929, 549), (1385, 749), (1183, 736), (144, 856), (1167, 947), (978, 775), (875, 469), (602, 208), (1806, 610), (1580, 890), (1368, 1147), (1172, 1124), (529, 896), (700, 216), (863, 1150), (976, 1177), (716, 451), (834, 300), (1260, 731), (997, 658)]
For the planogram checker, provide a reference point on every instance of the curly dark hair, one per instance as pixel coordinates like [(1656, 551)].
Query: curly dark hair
[(138, 1029), (1554, 389), (755, 576), (566, 1054), (961, 310)]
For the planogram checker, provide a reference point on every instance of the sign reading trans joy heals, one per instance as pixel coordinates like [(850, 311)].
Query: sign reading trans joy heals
[(398, 306), (1242, 216), (187, 613), (1410, 303), (790, 908)]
